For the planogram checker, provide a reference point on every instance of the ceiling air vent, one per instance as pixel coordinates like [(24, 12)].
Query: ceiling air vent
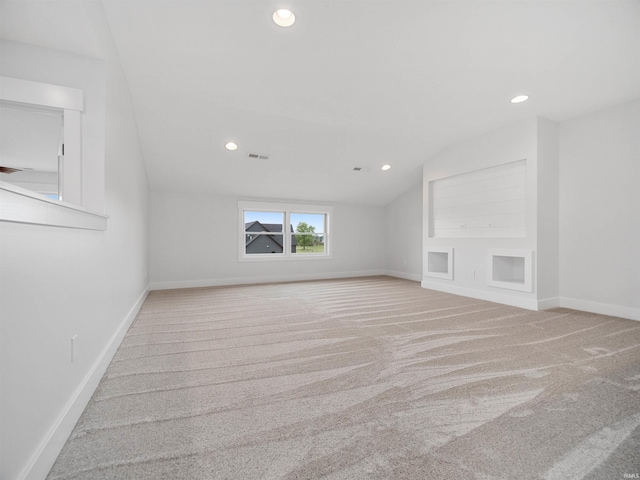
[(259, 156)]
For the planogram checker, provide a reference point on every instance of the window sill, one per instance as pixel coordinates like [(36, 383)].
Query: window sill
[(283, 258), (19, 205)]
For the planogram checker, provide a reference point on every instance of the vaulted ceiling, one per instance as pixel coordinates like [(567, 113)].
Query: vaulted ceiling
[(352, 83)]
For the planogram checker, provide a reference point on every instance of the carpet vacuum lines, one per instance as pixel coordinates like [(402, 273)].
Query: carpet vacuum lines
[(365, 378)]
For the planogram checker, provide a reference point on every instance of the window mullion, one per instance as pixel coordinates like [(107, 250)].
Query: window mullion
[(286, 233)]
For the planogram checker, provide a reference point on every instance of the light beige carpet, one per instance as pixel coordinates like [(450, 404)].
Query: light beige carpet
[(372, 378)]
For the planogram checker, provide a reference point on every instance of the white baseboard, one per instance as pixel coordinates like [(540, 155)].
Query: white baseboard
[(416, 277), (528, 303), (600, 308), (47, 452), (547, 303), (533, 304), (219, 282)]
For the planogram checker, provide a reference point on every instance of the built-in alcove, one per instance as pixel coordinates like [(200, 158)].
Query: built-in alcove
[(511, 269), (485, 203), (440, 262)]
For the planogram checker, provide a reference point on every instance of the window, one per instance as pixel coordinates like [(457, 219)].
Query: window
[(263, 233), (276, 231), (43, 179)]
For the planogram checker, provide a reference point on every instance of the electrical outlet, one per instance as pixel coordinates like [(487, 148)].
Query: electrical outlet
[(472, 274), (74, 348)]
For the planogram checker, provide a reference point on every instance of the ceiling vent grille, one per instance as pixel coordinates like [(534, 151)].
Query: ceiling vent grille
[(259, 156)]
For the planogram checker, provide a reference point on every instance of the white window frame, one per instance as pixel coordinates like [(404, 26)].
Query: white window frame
[(287, 209), (24, 206)]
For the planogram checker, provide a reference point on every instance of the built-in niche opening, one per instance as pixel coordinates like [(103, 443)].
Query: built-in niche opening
[(511, 269), (508, 269), (440, 262)]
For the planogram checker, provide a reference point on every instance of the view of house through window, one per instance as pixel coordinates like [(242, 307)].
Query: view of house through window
[(263, 232), (284, 233)]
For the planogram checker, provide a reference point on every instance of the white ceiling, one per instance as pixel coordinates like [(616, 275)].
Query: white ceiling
[(352, 83)]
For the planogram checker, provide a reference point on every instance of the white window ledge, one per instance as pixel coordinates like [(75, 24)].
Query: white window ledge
[(19, 205), (279, 257)]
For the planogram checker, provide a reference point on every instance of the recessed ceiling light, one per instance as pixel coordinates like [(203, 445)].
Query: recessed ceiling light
[(284, 17), (520, 99), (231, 146), (386, 167)]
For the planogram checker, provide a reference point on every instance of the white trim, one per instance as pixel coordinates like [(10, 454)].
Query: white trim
[(279, 257), (629, 313), (21, 207), (219, 282), (415, 277), (601, 308), (24, 206), (547, 303), (71, 171), (37, 93), (281, 207), (528, 303), (47, 452)]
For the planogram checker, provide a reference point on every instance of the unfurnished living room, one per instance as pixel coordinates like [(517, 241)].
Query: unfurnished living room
[(319, 239)]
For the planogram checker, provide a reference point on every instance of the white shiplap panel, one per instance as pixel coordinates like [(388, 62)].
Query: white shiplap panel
[(495, 232), (485, 221), (482, 186), (510, 232), (491, 172), (485, 203), (510, 193), (480, 209)]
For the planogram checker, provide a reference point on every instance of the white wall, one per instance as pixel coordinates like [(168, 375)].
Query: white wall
[(58, 282), (583, 212), (600, 211), (403, 235), (548, 226), (194, 242), (508, 144)]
